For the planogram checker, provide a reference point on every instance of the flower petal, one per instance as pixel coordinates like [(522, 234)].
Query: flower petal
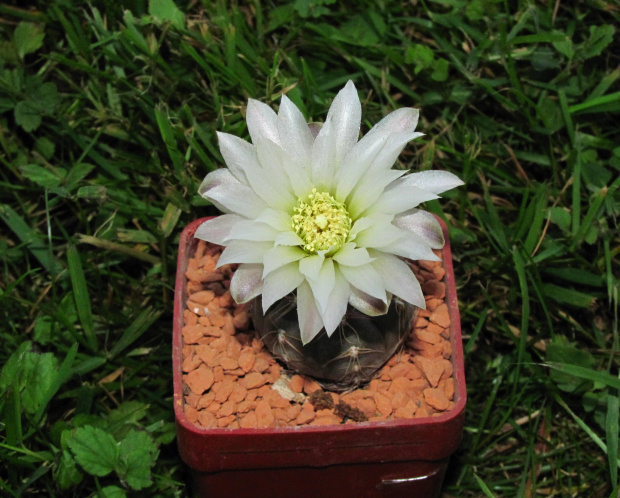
[(215, 230), (243, 251), (252, 230), (398, 278), (366, 279), (295, 135), (311, 266), (280, 169), (262, 121), (337, 303), (238, 155), (365, 152), (380, 234), (281, 255), (288, 238), (279, 283), (337, 136), (350, 255), (369, 190), (324, 157), (359, 225), (246, 282), (399, 197), (367, 304), (310, 322), (279, 220), (345, 113), (228, 194), (411, 246), (323, 285), (402, 120), (388, 155), (421, 223), (435, 181)]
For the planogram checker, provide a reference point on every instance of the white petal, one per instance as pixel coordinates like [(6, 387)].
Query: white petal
[(280, 169), (399, 197), (243, 251), (434, 181), (323, 285), (216, 229), (366, 279), (398, 278), (288, 238), (421, 223), (262, 121), (225, 191), (345, 114), (363, 154), (367, 304), (272, 188), (295, 135), (350, 255), (355, 165), (252, 230), (311, 266), (398, 121), (279, 220), (359, 225), (411, 246), (279, 283), (337, 304), (324, 157), (310, 323), (238, 155), (281, 255), (387, 156), (370, 189), (246, 282), (381, 233)]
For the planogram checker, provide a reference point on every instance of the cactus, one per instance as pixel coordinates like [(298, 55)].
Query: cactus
[(358, 348)]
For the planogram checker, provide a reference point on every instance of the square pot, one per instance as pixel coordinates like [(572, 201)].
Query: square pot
[(406, 457)]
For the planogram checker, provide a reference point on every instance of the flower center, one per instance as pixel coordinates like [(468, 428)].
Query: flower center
[(321, 222)]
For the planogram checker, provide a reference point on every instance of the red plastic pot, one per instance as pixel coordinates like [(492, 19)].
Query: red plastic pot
[(371, 459)]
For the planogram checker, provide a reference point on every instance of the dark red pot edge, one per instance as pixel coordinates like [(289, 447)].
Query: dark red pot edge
[(202, 457)]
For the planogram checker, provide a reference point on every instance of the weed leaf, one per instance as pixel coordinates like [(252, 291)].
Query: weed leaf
[(95, 450)]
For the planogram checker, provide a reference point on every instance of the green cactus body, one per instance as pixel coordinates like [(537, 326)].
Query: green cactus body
[(351, 356)]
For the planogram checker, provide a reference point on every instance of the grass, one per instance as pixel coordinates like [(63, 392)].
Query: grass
[(108, 117)]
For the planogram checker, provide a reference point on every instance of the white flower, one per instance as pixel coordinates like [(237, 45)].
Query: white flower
[(324, 215)]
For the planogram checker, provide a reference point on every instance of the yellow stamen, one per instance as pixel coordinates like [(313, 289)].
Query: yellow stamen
[(321, 222)]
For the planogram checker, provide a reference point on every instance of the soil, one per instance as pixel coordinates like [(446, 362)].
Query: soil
[(231, 380)]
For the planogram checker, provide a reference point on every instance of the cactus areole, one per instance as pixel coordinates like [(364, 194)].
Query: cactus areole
[(321, 226)]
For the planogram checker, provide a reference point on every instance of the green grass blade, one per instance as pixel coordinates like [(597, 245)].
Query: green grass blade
[(483, 487), (525, 298), (81, 296), (597, 102), (113, 246), (597, 440), (132, 333), (167, 134), (576, 192), (474, 335), (540, 211), (611, 436), (12, 415), (586, 373), (33, 240)]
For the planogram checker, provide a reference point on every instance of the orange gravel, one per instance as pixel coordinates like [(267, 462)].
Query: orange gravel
[(231, 380)]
